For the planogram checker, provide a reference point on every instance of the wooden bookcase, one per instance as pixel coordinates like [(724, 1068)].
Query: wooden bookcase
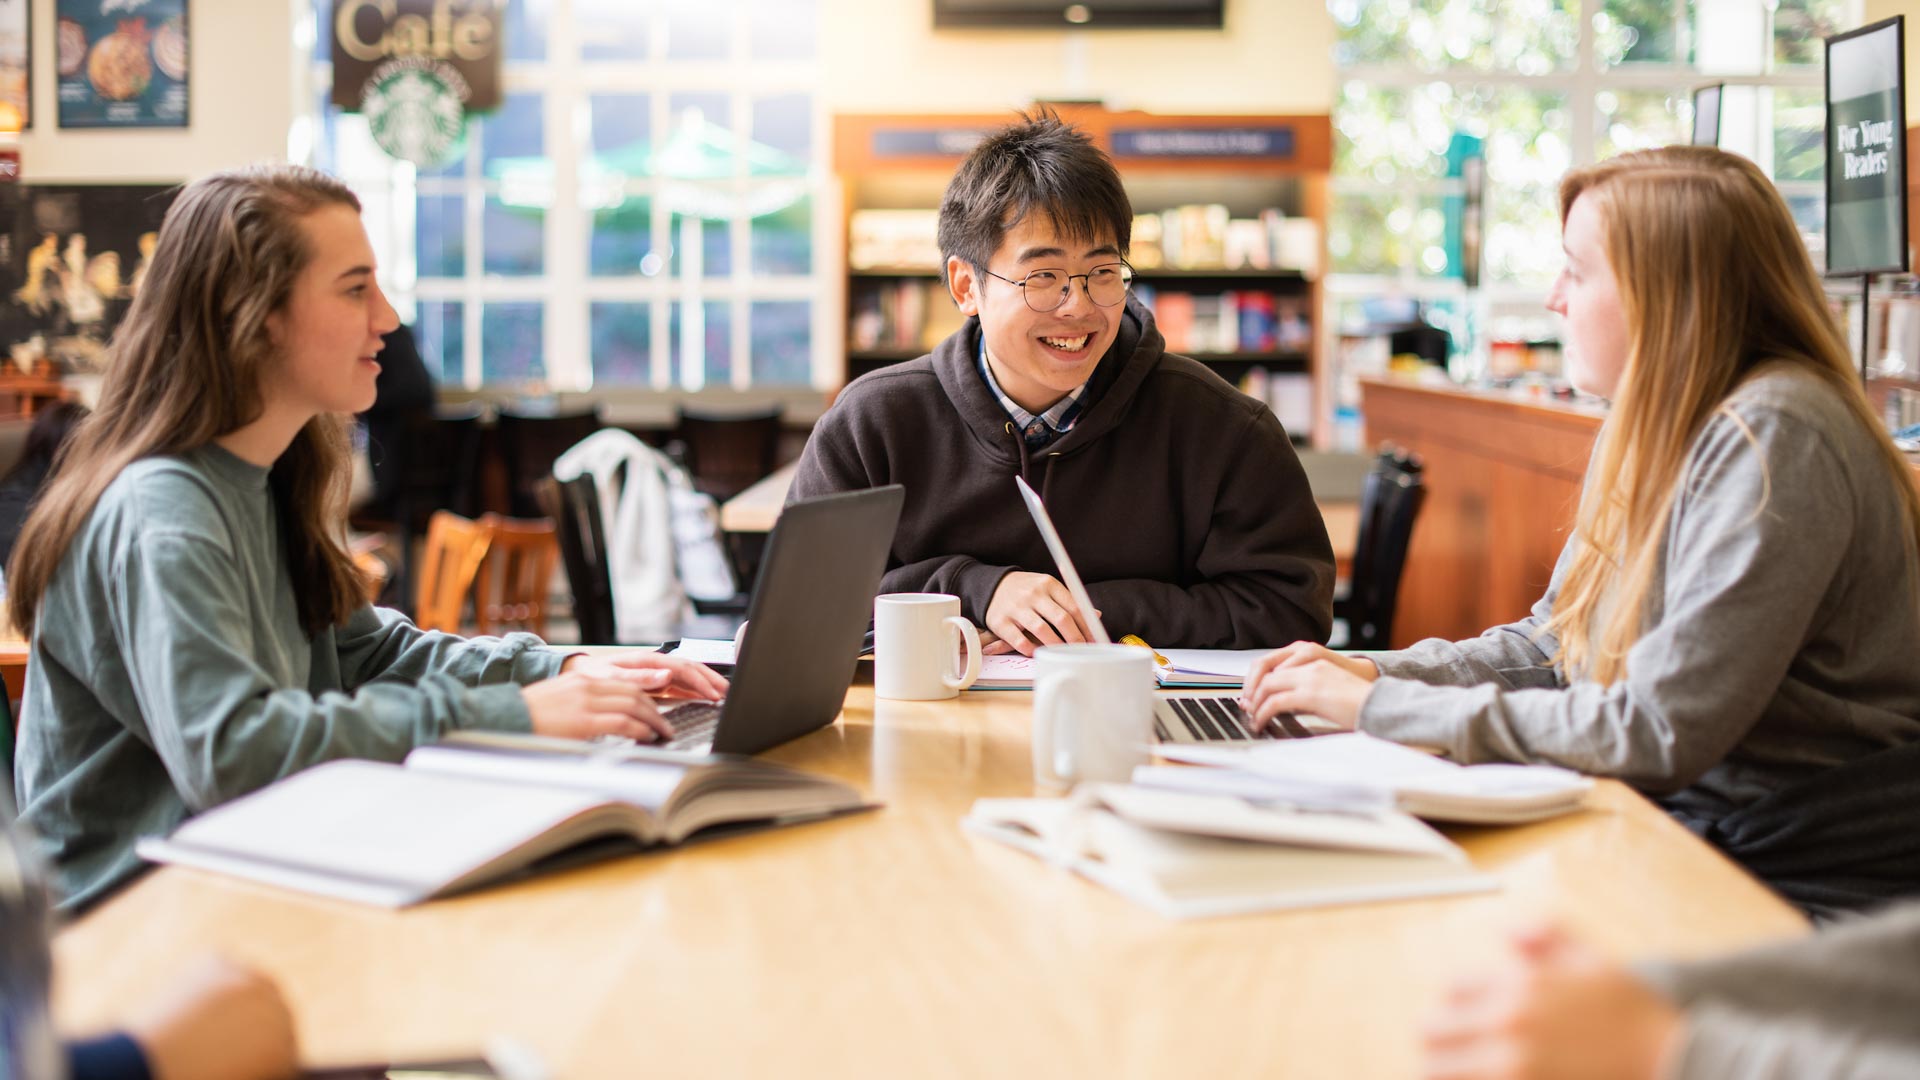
[(1247, 164)]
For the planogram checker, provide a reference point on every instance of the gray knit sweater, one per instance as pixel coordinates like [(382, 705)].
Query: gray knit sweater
[(169, 671), (1783, 631)]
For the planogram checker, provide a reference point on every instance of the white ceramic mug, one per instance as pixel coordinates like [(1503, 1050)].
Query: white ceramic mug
[(1092, 713), (914, 647)]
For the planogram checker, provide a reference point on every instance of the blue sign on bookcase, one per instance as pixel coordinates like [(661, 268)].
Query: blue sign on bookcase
[(1270, 143)]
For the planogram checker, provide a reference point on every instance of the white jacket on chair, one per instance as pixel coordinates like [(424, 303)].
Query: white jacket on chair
[(662, 535)]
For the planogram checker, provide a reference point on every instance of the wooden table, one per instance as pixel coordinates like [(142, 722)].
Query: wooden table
[(758, 507), (892, 944)]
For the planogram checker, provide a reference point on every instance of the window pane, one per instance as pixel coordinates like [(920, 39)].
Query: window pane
[(510, 349), (440, 236), (622, 344), (441, 334), (1810, 216), (782, 29), (1392, 136), (621, 244), (622, 130), (1367, 234), (611, 29), (1523, 237), (513, 131), (1644, 31), (783, 241), (782, 343), (512, 239), (1799, 134), (1640, 120), (712, 362), (782, 124), (526, 28), (1531, 37), (698, 29), (700, 143), (1427, 237), (703, 239), (1800, 25)]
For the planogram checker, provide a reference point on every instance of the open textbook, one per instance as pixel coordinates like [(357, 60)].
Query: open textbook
[(1358, 771), (1184, 668), (1188, 855), (482, 808)]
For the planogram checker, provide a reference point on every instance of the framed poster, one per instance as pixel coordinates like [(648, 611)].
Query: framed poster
[(1867, 150), (122, 63), (16, 65), (72, 259)]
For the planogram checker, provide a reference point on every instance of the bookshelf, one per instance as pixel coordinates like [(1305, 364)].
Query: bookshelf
[(1228, 247)]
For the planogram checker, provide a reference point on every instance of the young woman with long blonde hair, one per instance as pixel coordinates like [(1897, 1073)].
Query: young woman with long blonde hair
[(1734, 624), (198, 628)]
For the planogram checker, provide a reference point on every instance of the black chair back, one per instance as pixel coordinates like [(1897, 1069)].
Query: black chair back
[(528, 446), (1389, 502), (574, 506), (727, 453)]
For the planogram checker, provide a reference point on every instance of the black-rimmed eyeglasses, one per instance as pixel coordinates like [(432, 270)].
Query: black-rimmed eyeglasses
[(1046, 290)]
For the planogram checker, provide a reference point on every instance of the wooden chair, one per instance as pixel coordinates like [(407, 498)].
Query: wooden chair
[(510, 592), (449, 566)]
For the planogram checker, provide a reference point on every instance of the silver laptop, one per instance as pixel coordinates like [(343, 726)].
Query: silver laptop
[(1204, 717)]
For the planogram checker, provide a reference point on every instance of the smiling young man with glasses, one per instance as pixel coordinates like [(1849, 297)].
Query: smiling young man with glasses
[(1181, 499)]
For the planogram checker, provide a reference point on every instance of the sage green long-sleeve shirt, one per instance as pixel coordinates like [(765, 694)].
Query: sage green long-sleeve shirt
[(169, 672)]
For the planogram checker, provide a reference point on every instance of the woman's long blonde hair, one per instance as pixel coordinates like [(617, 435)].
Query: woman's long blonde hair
[(185, 368), (1714, 281)]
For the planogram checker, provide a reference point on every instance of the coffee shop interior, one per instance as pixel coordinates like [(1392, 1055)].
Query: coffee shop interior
[(690, 226)]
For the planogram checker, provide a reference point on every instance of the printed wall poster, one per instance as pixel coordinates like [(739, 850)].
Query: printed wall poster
[(16, 43), (122, 63), (72, 261)]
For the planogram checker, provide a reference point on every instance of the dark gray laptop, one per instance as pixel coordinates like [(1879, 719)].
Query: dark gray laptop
[(805, 624)]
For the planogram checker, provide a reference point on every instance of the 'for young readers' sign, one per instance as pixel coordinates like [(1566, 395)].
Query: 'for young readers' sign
[(1866, 151)]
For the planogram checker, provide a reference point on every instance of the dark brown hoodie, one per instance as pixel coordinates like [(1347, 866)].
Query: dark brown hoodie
[(1180, 498)]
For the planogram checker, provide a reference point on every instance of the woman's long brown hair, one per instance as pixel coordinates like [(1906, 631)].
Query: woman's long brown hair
[(1715, 283), (185, 368)]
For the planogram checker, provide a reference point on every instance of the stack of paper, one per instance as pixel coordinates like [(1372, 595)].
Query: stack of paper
[(1185, 668), (1187, 855), (1340, 771)]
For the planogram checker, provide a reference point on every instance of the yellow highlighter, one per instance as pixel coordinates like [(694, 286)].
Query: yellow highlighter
[(1134, 639)]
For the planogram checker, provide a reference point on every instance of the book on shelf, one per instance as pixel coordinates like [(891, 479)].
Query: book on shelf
[(481, 808), (1188, 855)]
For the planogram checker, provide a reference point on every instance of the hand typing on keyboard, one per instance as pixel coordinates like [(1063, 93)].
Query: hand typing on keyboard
[(1312, 679), (613, 695)]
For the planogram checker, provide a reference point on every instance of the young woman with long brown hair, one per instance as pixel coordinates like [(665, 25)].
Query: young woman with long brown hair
[(1734, 623), (198, 628)]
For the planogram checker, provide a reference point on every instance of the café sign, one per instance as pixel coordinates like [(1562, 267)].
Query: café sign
[(459, 40)]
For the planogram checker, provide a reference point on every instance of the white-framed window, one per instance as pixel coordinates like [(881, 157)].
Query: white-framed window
[(648, 208), (1544, 86)]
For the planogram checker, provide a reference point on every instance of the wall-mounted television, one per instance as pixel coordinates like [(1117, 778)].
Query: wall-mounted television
[(1066, 14)]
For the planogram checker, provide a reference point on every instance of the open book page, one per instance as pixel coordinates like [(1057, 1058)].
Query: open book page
[(386, 834), (647, 784), (706, 650), (1419, 782), (685, 792), (1185, 874)]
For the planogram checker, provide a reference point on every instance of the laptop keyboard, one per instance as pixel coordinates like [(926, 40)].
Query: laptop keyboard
[(693, 724), (1218, 719)]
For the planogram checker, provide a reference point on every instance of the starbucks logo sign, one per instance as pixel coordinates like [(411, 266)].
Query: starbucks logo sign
[(416, 110)]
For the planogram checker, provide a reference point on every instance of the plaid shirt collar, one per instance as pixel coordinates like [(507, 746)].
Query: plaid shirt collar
[(1040, 430)]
